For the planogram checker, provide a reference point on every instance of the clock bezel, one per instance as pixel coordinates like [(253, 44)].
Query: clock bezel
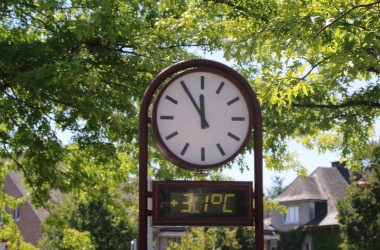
[(160, 142)]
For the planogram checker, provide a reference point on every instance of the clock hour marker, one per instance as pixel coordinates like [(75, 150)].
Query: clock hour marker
[(202, 82), (171, 99), (233, 136), (238, 118), (233, 101), (166, 117), (220, 88), (185, 148), (168, 137), (203, 154), (220, 149)]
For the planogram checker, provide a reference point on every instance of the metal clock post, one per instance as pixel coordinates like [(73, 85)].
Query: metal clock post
[(255, 120)]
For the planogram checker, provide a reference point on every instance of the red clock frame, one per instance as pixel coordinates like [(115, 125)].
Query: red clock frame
[(160, 142)]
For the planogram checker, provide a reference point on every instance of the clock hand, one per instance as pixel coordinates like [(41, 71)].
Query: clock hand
[(187, 91), (204, 123)]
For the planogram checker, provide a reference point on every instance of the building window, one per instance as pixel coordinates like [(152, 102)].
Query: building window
[(307, 246), (292, 216), (3, 245), (16, 214)]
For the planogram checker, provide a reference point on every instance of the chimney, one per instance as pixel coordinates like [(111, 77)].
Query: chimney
[(337, 164), (342, 170)]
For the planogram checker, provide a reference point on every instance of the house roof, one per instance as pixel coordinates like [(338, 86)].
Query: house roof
[(332, 182), (302, 188)]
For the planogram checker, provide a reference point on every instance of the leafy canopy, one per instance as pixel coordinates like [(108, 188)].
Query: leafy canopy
[(72, 74), (314, 65), (359, 216), (96, 223), (80, 68)]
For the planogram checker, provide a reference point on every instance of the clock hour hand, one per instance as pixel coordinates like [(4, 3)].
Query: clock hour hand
[(204, 123), (187, 91)]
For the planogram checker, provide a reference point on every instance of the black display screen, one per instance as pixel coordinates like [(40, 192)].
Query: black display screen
[(202, 203)]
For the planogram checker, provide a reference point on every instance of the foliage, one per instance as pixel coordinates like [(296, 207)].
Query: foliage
[(246, 237), (359, 212), (273, 192), (79, 68), (203, 240), (10, 233), (74, 72), (292, 240), (74, 239), (276, 188), (92, 224), (313, 64), (323, 238), (330, 236), (215, 238), (270, 205)]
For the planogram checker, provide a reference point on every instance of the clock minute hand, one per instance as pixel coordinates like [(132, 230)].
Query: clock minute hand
[(187, 91), (204, 123)]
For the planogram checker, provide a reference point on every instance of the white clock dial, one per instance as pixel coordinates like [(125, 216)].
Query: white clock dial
[(201, 118)]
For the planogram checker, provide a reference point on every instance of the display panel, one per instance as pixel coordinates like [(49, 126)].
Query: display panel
[(202, 203)]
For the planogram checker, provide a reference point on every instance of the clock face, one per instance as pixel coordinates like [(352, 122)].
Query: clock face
[(201, 119)]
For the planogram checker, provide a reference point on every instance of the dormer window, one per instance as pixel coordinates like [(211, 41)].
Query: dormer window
[(292, 217)]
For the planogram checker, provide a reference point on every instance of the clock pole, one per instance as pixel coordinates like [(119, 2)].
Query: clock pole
[(258, 158)]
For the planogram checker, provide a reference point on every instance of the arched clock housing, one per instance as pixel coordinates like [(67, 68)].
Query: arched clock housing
[(202, 118)]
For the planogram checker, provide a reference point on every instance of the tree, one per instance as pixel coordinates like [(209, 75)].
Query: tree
[(246, 237), (79, 68), (208, 239), (276, 188), (359, 215), (91, 224), (313, 64)]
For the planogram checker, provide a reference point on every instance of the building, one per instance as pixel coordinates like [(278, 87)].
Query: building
[(311, 203), (162, 236), (27, 217)]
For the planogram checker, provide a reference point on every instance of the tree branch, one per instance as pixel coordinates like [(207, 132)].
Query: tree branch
[(373, 70), (344, 14), (4, 85), (313, 66), (233, 5), (339, 106), (18, 164), (128, 50), (183, 46)]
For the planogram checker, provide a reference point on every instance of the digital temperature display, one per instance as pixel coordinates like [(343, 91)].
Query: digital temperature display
[(202, 203)]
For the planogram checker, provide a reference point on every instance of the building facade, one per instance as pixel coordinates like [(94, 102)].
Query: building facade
[(27, 217), (311, 203)]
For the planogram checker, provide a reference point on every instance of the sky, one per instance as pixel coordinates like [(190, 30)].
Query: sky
[(310, 159)]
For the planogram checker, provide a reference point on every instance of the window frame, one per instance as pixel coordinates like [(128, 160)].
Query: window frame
[(307, 246), (292, 216), (17, 214)]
